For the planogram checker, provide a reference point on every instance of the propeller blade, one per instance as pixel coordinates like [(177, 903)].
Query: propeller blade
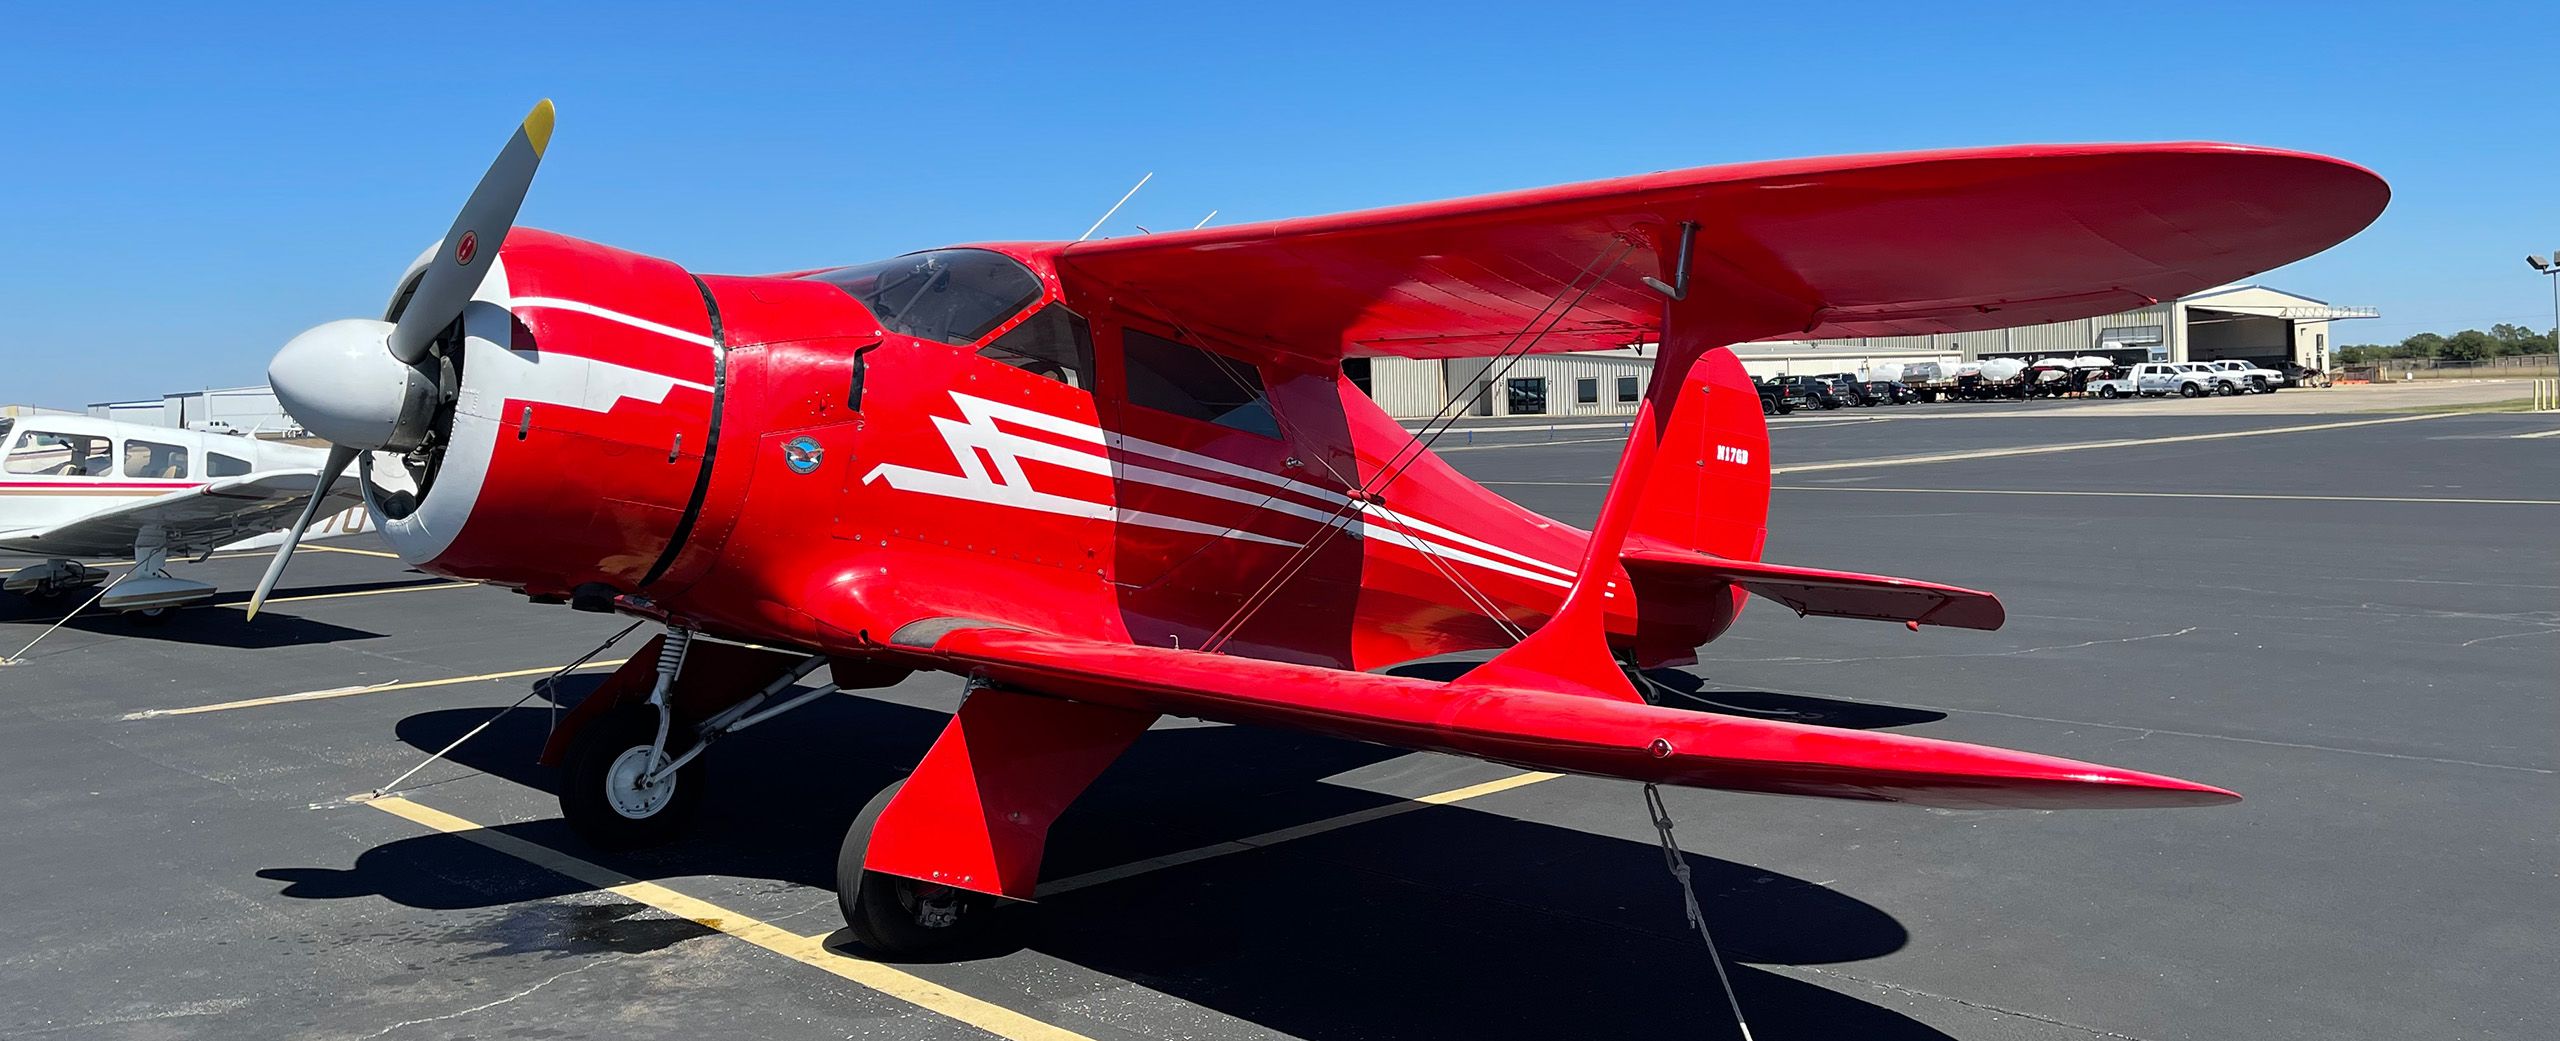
[(471, 245), (339, 457)]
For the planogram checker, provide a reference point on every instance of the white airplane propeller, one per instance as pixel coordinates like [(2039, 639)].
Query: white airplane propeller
[(366, 385)]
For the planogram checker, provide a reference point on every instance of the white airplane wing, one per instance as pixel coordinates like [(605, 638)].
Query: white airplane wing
[(225, 511)]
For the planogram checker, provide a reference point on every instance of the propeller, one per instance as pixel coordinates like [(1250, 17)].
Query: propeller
[(339, 457), (366, 385)]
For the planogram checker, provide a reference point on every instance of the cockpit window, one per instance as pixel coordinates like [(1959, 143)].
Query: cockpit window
[(62, 455), (153, 459), (1053, 344), (953, 296)]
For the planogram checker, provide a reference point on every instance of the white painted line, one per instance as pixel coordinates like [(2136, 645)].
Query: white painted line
[(2553, 432), (2136, 442)]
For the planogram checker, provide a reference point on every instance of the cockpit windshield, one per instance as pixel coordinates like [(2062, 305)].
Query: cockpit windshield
[(954, 296)]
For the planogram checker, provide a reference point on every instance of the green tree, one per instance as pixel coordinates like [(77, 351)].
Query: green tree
[(2469, 345), (2516, 339), (2422, 345)]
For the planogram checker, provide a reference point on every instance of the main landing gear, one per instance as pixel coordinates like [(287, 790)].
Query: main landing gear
[(623, 787), (905, 918)]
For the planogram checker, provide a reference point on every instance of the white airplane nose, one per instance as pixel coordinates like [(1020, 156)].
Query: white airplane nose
[(341, 382)]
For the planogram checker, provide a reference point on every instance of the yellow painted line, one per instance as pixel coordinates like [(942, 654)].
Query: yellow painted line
[(358, 592), (2170, 495), (1273, 838), (2135, 442), (807, 950), (349, 692)]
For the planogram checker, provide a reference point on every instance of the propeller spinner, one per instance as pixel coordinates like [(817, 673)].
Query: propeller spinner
[(368, 385)]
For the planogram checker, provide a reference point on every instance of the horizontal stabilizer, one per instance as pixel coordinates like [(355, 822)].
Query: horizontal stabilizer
[(1835, 594), (1552, 730)]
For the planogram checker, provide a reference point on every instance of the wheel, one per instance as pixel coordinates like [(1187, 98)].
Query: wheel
[(2107, 392), (903, 918), (2225, 388), (2190, 390), (2261, 384), (600, 791), (1768, 406), (151, 615)]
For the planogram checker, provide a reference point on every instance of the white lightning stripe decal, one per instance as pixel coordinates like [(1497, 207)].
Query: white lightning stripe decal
[(977, 440), (985, 413), (585, 308)]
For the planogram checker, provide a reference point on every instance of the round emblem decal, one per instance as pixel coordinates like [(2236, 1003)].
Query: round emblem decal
[(802, 454), (467, 248)]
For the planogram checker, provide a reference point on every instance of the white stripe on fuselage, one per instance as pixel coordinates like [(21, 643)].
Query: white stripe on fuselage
[(1010, 485)]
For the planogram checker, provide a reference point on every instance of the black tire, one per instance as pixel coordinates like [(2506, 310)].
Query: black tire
[(151, 615), (2190, 390), (589, 785), (902, 919), (1768, 406), (2264, 387), (2107, 392)]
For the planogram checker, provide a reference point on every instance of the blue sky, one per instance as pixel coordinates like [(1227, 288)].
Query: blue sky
[(186, 188)]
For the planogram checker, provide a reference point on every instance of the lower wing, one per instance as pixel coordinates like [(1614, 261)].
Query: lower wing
[(1543, 729)]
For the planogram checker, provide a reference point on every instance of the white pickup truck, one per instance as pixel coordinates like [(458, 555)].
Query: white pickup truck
[(2251, 377), (2151, 378)]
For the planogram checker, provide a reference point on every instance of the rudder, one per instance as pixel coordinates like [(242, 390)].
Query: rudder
[(1709, 488)]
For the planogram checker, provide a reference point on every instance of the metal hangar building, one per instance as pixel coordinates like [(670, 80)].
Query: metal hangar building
[(2248, 322)]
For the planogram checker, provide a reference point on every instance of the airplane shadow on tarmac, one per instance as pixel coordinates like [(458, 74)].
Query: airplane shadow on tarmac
[(210, 626), (1443, 922)]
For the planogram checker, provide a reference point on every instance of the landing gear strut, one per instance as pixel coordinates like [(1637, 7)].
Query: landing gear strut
[(608, 793)]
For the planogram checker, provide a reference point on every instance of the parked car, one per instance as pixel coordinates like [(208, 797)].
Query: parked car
[(1848, 387), (1814, 388), (2154, 378), (1774, 401), (1851, 389), (2217, 381), (1890, 392), (2252, 377)]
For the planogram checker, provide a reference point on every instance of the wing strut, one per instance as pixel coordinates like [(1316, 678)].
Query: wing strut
[(1364, 493), (1571, 652)]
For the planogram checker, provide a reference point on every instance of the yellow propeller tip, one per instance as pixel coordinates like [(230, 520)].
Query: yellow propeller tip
[(537, 125)]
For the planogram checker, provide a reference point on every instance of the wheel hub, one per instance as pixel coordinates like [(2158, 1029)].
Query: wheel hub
[(627, 787)]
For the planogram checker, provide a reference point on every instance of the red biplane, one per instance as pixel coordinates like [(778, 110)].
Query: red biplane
[(1111, 480)]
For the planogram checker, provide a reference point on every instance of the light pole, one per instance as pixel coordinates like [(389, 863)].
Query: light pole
[(2551, 267)]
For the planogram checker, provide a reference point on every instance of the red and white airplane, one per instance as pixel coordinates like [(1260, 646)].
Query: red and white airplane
[(75, 488), (1107, 481)]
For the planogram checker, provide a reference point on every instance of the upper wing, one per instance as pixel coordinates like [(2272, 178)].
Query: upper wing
[(1542, 729), (215, 514), (1919, 242)]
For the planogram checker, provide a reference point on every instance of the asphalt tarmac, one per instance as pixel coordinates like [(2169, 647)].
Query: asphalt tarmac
[(2356, 626)]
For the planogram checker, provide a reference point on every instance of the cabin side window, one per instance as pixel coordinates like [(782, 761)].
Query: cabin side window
[(217, 464), (49, 454), (153, 459), (1168, 376), (1053, 343)]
